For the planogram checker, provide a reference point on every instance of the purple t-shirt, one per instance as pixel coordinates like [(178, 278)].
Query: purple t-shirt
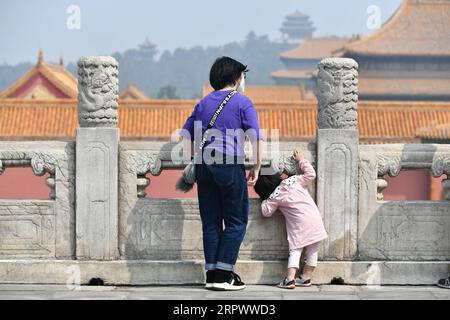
[(237, 120)]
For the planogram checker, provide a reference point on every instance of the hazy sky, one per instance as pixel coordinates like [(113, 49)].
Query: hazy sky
[(117, 25)]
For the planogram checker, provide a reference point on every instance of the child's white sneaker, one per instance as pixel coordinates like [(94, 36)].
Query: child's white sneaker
[(300, 282)]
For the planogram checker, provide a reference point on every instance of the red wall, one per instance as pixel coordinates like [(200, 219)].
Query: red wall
[(163, 186), (21, 183), (436, 187), (409, 185)]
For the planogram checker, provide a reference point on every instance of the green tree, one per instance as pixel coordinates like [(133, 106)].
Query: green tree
[(167, 92)]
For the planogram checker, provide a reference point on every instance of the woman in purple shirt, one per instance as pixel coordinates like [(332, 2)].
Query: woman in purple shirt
[(220, 175)]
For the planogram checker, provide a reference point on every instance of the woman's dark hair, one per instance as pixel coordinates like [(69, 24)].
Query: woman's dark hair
[(266, 184), (225, 71)]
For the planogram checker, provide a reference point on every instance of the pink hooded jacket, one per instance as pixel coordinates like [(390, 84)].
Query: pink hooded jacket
[(304, 223)]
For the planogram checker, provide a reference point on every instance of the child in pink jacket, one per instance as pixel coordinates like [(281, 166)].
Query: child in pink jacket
[(304, 224)]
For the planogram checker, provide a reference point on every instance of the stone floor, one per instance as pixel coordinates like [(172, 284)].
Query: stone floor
[(253, 292)]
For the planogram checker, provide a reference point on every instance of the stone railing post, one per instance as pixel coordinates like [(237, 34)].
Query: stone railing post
[(97, 144), (337, 156)]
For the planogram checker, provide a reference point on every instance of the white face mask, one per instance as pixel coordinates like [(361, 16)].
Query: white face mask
[(241, 88)]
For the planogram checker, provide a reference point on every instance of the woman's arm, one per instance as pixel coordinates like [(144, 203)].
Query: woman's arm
[(250, 124)]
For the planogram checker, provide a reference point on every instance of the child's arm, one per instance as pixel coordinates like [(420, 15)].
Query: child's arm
[(309, 174), (268, 207)]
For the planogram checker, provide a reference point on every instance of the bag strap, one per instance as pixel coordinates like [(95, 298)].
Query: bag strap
[(214, 118)]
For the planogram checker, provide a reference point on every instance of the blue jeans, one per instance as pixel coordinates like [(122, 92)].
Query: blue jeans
[(223, 201)]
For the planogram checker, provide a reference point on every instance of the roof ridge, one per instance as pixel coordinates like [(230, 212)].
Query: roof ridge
[(45, 69)]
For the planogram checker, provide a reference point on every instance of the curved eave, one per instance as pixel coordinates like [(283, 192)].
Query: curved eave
[(19, 83)]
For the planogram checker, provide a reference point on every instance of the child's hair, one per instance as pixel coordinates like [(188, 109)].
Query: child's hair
[(266, 184)]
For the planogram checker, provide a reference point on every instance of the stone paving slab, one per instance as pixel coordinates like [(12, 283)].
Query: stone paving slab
[(253, 292)]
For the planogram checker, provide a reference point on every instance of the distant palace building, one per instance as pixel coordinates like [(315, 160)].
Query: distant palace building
[(46, 81), (409, 57), (301, 62), (297, 27), (43, 81), (131, 92), (272, 93)]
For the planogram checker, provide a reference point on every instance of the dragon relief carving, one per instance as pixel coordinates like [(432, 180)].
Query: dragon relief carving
[(147, 162), (337, 93), (388, 164), (97, 92), (42, 163)]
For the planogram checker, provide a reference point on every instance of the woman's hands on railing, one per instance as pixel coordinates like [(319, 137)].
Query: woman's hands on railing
[(254, 172), (253, 176)]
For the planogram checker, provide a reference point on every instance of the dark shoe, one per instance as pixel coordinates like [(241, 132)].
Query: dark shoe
[(444, 283), (227, 281), (300, 282), (210, 275), (287, 284)]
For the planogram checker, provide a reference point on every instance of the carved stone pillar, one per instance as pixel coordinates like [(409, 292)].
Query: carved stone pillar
[(97, 144), (337, 156)]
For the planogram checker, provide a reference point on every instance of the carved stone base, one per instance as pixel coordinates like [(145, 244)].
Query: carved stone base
[(149, 272), (170, 229)]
